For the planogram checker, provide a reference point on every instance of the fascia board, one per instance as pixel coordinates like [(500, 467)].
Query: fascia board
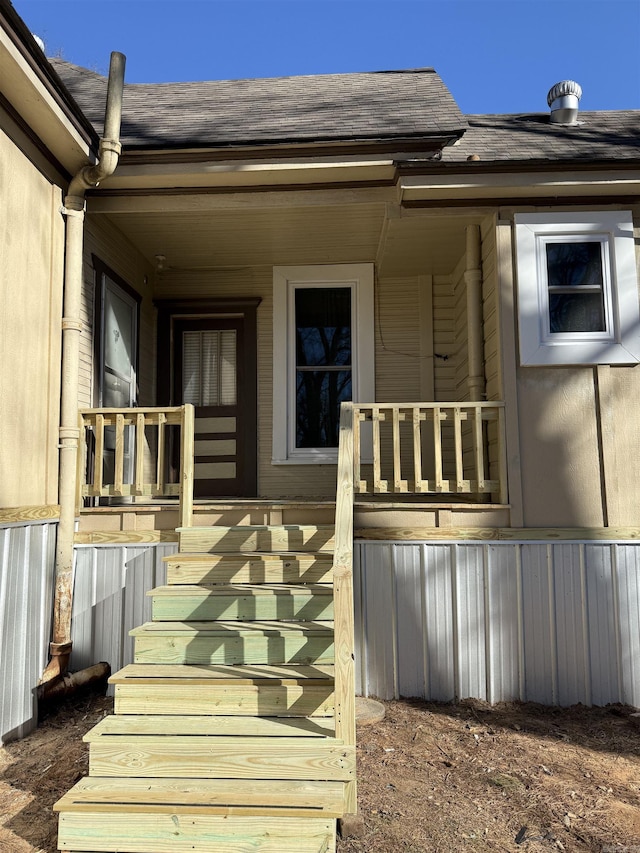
[(236, 173), (515, 184), (31, 99)]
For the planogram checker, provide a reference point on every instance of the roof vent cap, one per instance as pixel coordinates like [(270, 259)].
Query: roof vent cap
[(38, 41), (563, 99)]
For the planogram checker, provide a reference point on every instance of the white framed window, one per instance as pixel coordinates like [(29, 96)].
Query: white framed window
[(577, 288), (323, 355)]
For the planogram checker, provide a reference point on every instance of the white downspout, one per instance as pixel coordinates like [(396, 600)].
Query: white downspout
[(74, 210), (475, 345)]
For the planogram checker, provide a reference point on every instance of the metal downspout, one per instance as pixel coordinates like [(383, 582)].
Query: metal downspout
[(475, 345), (74, 210)]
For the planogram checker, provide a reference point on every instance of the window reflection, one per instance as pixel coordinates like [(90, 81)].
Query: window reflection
[(323, 340), (575, 281)]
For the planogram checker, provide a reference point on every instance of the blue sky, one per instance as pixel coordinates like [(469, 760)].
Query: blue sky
[(494, 55)]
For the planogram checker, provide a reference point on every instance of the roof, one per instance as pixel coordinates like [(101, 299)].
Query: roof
[(531, 138), (369, 106)]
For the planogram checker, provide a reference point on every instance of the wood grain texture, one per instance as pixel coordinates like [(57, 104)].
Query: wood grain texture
[(19, 514), (242, 603), (212, 757), (251, 700), (315, 538), (204, 569), (170, 833), (205, 796)]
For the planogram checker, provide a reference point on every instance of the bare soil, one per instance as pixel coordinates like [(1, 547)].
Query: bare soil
[(431, 778)]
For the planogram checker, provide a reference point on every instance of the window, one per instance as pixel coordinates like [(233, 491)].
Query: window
[(577, 289), (323, 355)]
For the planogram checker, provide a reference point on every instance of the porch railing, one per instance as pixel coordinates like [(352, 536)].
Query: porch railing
[(430, 448), (125, 453)]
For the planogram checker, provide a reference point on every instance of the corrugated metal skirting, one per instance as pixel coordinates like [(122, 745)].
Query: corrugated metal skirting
[(110, 599), (27, 565), (552, 623)]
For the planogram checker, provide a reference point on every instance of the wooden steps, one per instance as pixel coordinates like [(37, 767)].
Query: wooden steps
[(233, 642), (247, 603), (224, 732)]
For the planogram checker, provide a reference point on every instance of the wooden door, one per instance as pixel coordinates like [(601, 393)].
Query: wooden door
[(209, 372)]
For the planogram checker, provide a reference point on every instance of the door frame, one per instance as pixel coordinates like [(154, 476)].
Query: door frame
[(244, 308)]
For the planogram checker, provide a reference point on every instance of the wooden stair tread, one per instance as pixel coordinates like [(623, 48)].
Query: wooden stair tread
[(153, 673), (257, 538), (241, 590), (250, 528), (303, 557), (204, 796), (223, 628), (206, 757), (142, 724)]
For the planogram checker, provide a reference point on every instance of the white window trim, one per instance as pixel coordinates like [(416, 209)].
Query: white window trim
[(285, 279), (620, 342)]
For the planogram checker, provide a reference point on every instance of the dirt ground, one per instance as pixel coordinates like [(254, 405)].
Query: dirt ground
[(432, 779)]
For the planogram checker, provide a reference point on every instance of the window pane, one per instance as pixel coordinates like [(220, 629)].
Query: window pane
[(228, 351), (323, 326), (574, 264), (576, 312), (318, 397), (209, 367)]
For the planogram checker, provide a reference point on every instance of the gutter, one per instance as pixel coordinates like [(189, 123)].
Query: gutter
[(88, 176)]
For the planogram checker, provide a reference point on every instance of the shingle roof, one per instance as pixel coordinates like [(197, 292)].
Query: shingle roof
[(602, 135), (331, 107)]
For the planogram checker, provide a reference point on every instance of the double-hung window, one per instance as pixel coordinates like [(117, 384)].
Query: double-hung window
[(323, 356), (577, 289)]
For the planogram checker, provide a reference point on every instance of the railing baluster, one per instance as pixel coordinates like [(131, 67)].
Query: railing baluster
[(118, 470), (478, 445), (417, 450), (160, 464), (379, 485), (397, 468), (138, 486), (457, 439), (81, 462), (502, 457), (357, 450), (437, 450), (98, 460)]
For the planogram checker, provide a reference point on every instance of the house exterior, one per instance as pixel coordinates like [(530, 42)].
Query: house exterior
[(268, 249)]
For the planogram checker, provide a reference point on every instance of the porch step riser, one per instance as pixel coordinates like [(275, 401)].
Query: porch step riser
[(235, 650), (245, 700), (248, 539), (246, 608), (206, 569), (172, 833), (196, 757)]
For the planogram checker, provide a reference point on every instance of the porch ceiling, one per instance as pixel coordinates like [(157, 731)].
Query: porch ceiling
[(401, 243)]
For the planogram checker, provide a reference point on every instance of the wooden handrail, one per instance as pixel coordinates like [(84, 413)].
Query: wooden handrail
[(131, 439), (344, 636)]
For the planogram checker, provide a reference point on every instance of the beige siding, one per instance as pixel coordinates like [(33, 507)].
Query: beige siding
[(444, 339), (579, 437), (31, 273), (398, 340)]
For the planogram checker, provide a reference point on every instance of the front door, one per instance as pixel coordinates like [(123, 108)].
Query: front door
[(209, 373)]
